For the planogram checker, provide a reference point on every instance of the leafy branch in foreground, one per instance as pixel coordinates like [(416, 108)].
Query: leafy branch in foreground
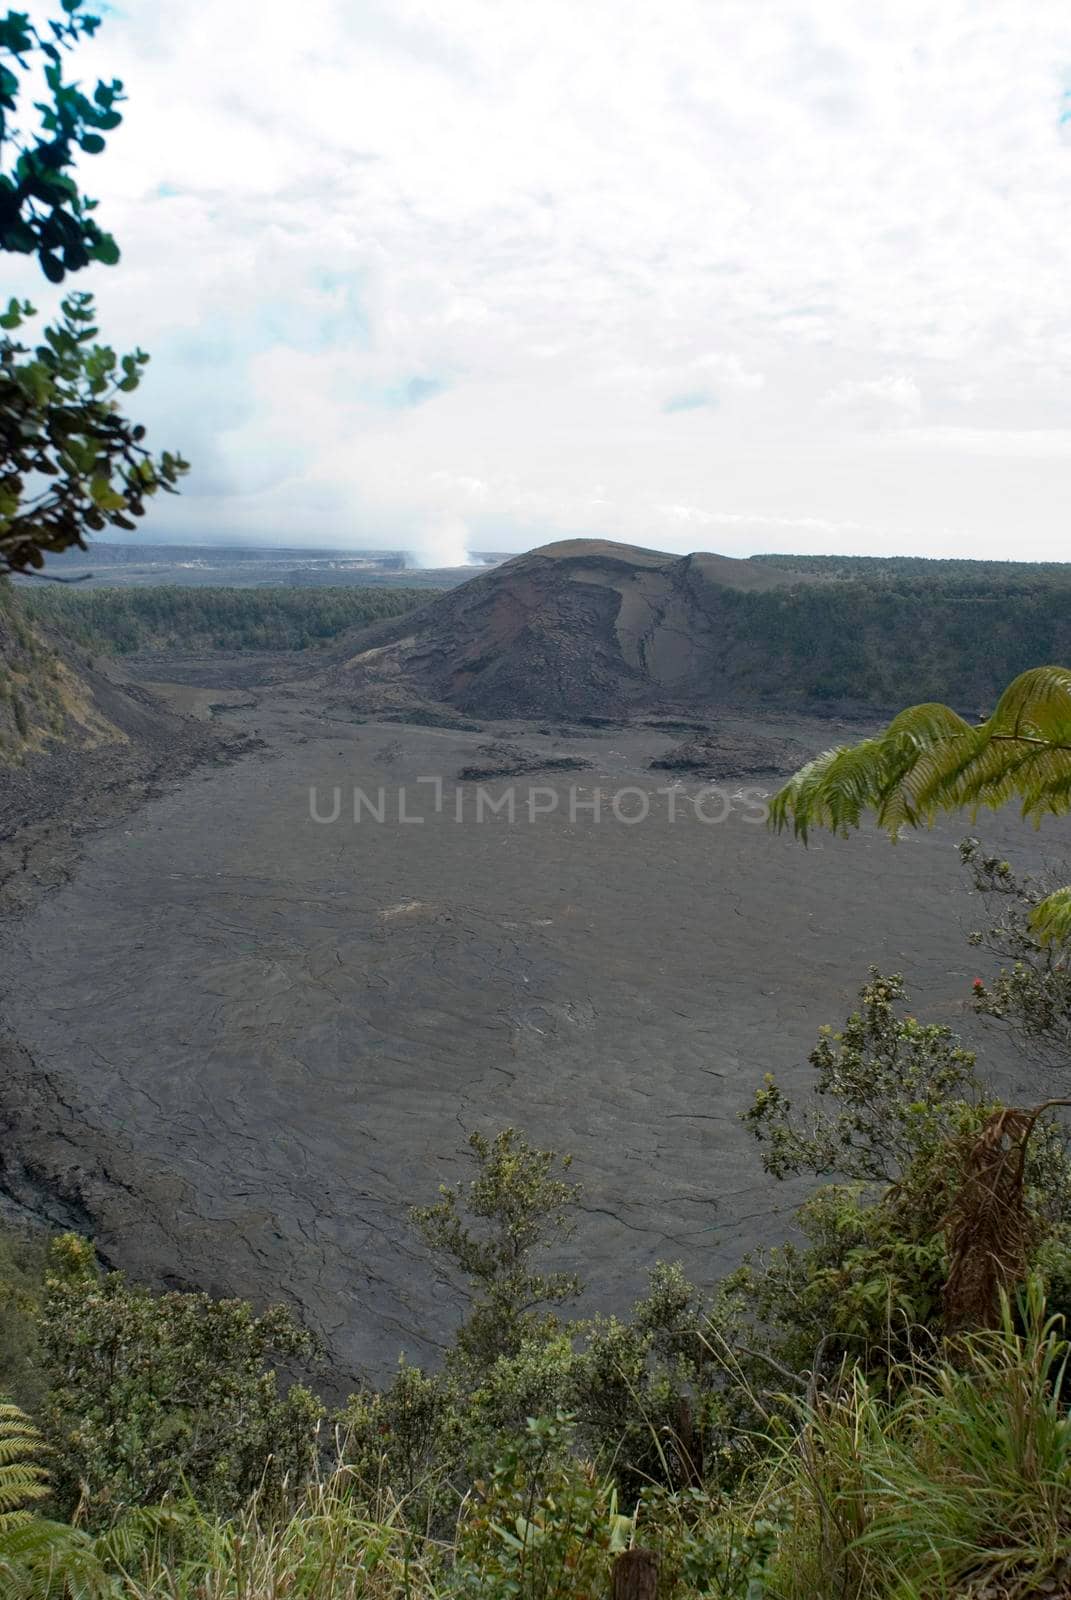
[(70, 462), (930, 762), (42, 211)]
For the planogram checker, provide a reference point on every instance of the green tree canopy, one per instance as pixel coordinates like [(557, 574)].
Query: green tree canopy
[(930, 762), (42, 210), (70, 463), (489, 1233)]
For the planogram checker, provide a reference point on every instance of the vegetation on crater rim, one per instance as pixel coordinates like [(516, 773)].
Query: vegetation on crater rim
[(760, 1438)]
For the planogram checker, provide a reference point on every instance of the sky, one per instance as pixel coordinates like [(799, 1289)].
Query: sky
[(734, 275)]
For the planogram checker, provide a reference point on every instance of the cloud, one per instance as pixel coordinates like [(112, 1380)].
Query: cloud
[(1026, 444), (414, 391), (727, 369), (383, 253), (694, 400), (876, 402), (753, 519)]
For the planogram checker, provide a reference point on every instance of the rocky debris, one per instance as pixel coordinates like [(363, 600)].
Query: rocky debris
[(731, 755), (510, 761), (674, 725), (429, 717), (369, 697)]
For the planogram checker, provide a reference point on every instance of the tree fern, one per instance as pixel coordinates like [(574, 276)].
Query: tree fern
[(929, 761), (23, 1479), (45, 1560)]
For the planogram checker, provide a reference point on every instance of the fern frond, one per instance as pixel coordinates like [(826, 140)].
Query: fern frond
[(121, 1544), (1051, 917), (43, 1560), (23, 1479), (929, 761)]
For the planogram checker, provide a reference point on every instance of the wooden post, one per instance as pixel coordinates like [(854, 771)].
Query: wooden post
[(689, 1447), (636, 1576)]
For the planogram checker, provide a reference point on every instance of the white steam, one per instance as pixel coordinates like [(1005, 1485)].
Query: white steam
[(441, 543)]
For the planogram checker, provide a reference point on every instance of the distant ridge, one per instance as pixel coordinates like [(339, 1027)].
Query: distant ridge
[(587, 627)]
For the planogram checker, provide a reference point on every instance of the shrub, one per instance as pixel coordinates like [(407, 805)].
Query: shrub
[(544, 1526), (23, 1255), (489, 1234), (153, 1395), (901, 1113)]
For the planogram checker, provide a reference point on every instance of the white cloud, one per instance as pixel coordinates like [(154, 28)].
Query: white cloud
[(876, 402), (778, 262), (1031, 444)]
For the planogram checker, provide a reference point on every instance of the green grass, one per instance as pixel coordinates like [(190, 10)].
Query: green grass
[(332, 1546), (961, 1487)]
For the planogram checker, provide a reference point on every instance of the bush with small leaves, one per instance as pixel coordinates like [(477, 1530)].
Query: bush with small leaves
[(23, 1255), (489, 1233), (407, 1439), (543, 1526), (150, 1396), (649, 1390), (1030, 995), (896, 1087), (905, 1109)]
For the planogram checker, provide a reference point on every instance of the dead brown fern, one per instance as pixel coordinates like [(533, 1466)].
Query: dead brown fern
[(989, 1228)]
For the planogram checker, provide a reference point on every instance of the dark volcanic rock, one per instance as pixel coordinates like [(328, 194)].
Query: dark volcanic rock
[(428, 718), (731, 755), (249, 1042), (510, 761), (675, 725)]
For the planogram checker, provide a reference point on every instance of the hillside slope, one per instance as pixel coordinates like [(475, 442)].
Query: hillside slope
[(589, 628), (78, 743), (579, 628)]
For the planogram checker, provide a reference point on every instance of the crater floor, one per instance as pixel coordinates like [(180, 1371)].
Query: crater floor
[(252, 1039)]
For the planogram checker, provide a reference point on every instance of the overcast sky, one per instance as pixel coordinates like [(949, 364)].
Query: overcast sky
[(730, 275)]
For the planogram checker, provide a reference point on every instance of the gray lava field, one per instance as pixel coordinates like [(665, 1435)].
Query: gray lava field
[(241, 1041)]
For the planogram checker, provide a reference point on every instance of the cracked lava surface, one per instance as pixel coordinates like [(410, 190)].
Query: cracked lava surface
[(249, 1041)]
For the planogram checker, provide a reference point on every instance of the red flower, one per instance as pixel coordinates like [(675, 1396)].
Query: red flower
[(978, 984)]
